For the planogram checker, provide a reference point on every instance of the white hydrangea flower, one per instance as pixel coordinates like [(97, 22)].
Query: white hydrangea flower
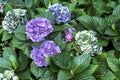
[(8, 74), (1, 75), (87, 42), (2, 5), (13, 19), (4, 79), (15, 78)]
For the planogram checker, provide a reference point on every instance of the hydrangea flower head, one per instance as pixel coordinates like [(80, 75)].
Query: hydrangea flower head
[(61, 13), (37, 29), (68, 34), (13, 19), (46, 49), (8, 75), (87, 42), (2, 5), (38, 57)]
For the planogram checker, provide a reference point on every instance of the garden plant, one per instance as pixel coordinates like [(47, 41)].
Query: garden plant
[(59, 39)]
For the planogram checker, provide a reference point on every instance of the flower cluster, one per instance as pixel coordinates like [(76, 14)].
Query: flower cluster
[(87, 42), (13, 19), (37, 29), (2, 4), (68, 34), (47, 48), (61, 13), (8, 75)]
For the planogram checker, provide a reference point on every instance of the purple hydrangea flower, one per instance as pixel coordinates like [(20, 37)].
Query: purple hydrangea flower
[(47, 48), (37, 29), (61, 13), (38, 57), (68, 34)]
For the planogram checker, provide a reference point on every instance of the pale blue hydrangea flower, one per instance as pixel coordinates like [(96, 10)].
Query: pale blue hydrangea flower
[(13, 19), (87, 42)]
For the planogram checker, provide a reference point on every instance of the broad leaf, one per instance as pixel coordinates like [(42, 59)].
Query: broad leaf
[(4, 63), (20, 33), (48, 76), (80, 63), (6, 36), (62, 60), (64, 75), (37, 71)]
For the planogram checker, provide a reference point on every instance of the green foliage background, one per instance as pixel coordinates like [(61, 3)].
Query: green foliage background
[(102, 16)]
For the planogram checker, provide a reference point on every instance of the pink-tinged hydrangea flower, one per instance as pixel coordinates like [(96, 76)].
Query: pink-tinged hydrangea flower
[(61, 13), (38, 57), (68, 34), (37, 29), (47, 48)]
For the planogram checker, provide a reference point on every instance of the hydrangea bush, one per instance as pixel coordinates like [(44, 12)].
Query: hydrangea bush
[(59, 39)]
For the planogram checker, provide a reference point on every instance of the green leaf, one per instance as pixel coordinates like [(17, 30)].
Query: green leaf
[(54, 1), (13, 60), (112, 61), (32, 13), (100, 7), (111, 4), (4, 63), (111, 19), (22, 45), (22, 62), (79, 11), (113, 64), (7, 51), (86, 21), (64, 75), (99, 24), (49, 16), (24, 75), (37, 71), (58, 40), (80, 63), (72, 6), (62, 60), (52, 66), (28, 3), (8, 7), (6, 36), (41, 10), (20, 33), (10, 55), (109, 31), (45, 2), (27, 52), (61, 28), (84, 77), (48, 76), (91, 69), (116, 10), (108, 76), (116, 45)]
